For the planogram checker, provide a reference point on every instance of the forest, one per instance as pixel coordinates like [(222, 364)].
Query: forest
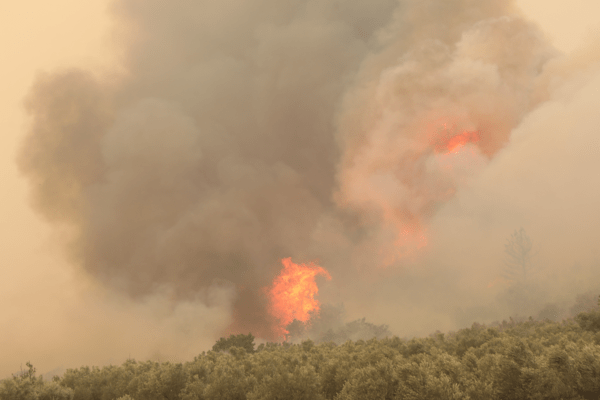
[(529, 359)]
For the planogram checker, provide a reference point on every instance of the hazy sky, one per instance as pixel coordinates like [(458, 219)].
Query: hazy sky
[(54, 315)]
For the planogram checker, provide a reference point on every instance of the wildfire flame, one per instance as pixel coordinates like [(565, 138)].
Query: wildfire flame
[(292, 295), (449, 143)]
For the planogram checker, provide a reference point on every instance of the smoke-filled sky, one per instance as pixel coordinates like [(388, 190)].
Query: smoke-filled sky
[(160, 160)]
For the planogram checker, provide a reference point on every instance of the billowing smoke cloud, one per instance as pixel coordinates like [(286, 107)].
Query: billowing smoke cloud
[(213, 157), (240, 133), (481, 85)]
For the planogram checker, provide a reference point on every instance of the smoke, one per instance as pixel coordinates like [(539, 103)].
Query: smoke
[(211, 159), (482, 83), (238, 134)]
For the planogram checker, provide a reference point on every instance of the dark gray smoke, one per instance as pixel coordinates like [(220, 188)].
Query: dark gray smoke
[(213, 156)]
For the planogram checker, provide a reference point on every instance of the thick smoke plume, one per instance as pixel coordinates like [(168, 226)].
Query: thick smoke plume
[(238, 133)]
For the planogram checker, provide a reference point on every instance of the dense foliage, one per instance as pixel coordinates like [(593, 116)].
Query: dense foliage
[(526, 360)]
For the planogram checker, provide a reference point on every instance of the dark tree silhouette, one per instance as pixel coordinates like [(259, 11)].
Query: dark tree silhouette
[(518, 250), (241, 340)]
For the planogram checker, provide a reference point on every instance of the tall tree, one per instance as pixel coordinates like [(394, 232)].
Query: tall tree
[(518, 255)]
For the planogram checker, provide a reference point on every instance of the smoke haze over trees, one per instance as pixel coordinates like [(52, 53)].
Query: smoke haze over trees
[(235, 134)]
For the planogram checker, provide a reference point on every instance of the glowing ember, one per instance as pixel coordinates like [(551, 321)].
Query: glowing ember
[(450, 144), (292, 294)]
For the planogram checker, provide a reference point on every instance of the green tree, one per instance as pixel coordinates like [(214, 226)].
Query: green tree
[(162, 382), (437, 376), (27, 386), (18, 388), (54, 391), (241, 340), (589, 321), (228, 381), (299, 383), (371, 382)]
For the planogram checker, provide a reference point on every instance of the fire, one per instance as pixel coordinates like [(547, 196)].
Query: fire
[(449, 143), (292, 295)]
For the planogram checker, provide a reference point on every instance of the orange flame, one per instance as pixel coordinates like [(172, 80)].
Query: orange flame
[(451, 143), (292, 294)]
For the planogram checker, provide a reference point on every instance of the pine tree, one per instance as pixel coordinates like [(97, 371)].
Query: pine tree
[(518, 250)]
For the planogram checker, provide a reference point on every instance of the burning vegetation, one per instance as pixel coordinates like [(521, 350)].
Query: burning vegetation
[(292, 296)]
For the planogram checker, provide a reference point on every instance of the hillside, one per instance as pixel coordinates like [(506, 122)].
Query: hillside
[(512, 360)]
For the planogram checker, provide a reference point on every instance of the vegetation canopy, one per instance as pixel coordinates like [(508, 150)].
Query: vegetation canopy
[(509, 360)]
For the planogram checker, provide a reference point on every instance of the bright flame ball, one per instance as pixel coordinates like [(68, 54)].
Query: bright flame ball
[(292, 295)]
